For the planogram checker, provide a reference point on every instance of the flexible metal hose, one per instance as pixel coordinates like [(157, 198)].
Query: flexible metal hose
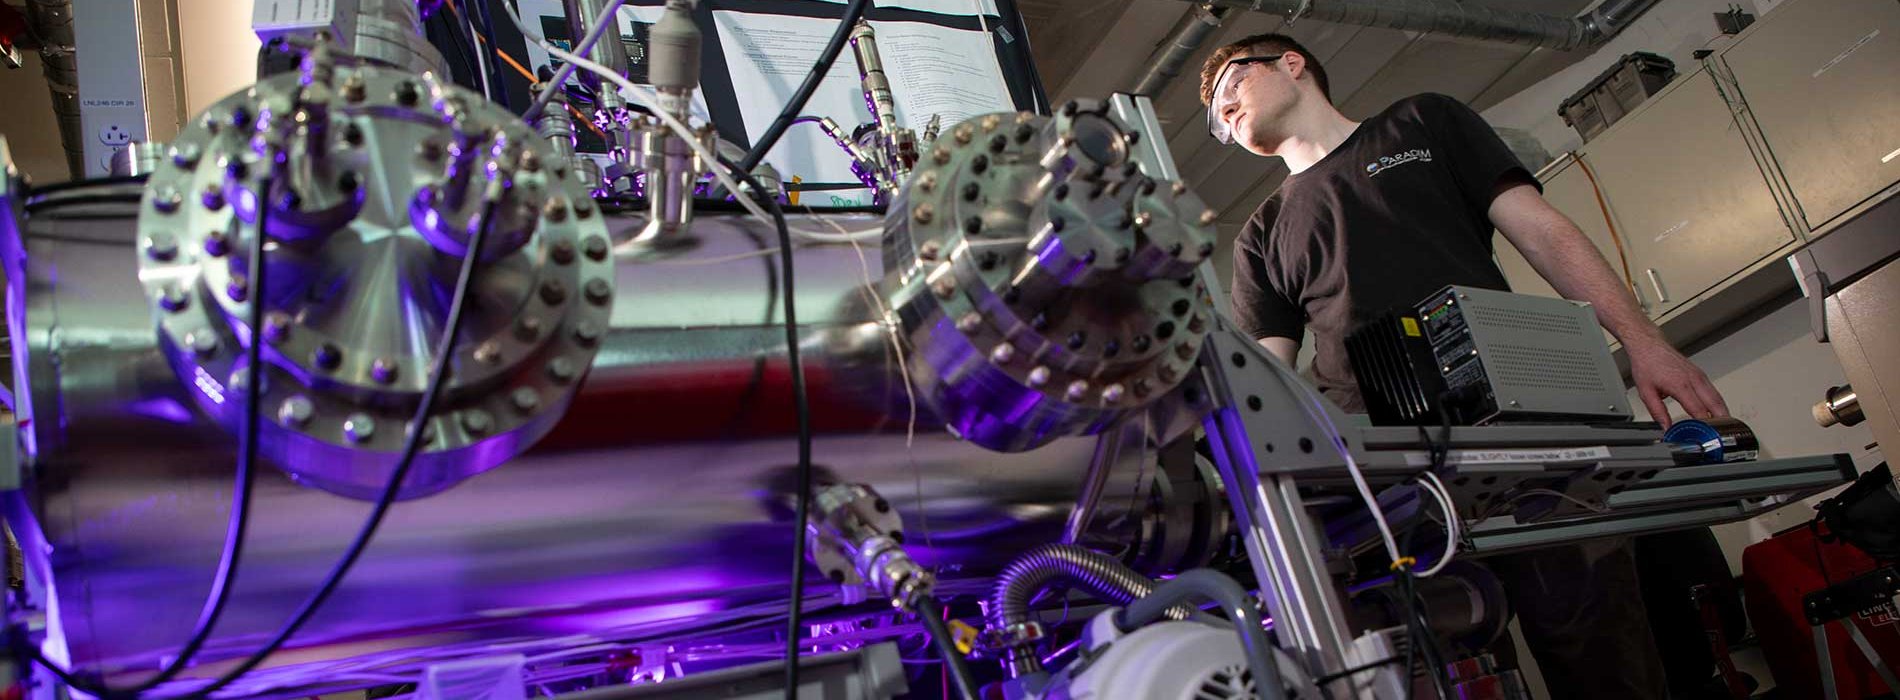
[(1039, 569)]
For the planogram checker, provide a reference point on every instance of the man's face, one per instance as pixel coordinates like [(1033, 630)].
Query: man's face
[(1250, 95)]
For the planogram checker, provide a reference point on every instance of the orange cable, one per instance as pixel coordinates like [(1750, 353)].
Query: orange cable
[(525, 73), (1605, 207)]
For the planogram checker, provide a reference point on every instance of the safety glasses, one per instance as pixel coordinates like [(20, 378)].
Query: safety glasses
[(1227, 92)]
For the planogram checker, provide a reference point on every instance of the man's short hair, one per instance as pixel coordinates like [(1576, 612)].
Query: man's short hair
[(1260, 43)]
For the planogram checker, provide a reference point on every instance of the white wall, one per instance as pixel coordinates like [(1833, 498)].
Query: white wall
[(1672, 28), (220, 52)]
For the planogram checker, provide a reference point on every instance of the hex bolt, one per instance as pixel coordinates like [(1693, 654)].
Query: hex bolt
[(927, 182), (587, 332), (166, 200), (353, 88), (595, 247), (525, 399), (584, 208), (971, 191), (998, 143), (1165, 330), (1062, 192), (979, 164), (383, 370), (929, 250), (276, 326), (553, 293), (1206, 249), (941, 155), (407, 94), (973, 225), (1181, 307), (348, 183), (1077, 340), (477, 421), (1057, 223), (1077, 390), (1144, 219), (1208, 216), (1112, 393), (488, 353), (561, 370), (923, 213), (359, 427), (186, 155), (964, 133), (353, 135), (1142, 343), (161, 247), (531, 162), (173, 299), (1024, 132), (988, 260), (1184, 351), (1142, 388), (991, 122), (944, 288), (1196, 324), (1002, 354), (216, 245), (970, 322), (430, 152), (327, 356), (1039, 376), (238, 289), (203, 342), (556, 209), (295, 412), (1039, 322), (598, 291), (562, 252)]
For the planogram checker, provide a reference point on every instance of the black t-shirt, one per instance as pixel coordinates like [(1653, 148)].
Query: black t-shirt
[(1395, 213)]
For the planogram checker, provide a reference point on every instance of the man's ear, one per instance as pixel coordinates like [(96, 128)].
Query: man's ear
[(1295, 64)]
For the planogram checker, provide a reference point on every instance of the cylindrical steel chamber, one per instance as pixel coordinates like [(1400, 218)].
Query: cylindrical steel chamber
[(660, 494)]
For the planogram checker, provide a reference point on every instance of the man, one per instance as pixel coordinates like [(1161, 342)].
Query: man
[(1379, 214)]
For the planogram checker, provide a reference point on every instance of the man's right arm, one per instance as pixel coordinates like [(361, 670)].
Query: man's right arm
[(1284, 348)]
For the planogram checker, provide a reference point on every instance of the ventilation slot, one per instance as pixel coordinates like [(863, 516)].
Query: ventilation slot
[(1519, 319), (1540, 368), (1231, 683)]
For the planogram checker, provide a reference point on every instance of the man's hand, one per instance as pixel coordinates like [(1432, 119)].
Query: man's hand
[(1660, 372)]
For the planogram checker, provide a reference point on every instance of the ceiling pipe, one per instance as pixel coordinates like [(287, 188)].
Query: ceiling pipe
[(1458, 19), (51, 23), (1165, 64)]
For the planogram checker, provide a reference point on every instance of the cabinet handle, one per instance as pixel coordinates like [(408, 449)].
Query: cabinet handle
[(1655, 282)]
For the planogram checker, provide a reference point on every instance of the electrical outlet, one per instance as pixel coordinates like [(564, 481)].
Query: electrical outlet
[(115, 136)]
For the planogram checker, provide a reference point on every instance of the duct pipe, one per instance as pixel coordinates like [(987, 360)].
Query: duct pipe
[(1469, 21), (51, 21), (1188, 34)]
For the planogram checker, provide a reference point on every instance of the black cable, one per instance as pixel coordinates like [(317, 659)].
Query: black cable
[(238, 522), (32, 192), (412, 445), (852, 13), (1422, 639), (1321, 681), (803, 408), (464, 53), (932, 615)]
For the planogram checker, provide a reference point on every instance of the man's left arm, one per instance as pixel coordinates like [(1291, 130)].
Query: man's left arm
[(1566, 258)]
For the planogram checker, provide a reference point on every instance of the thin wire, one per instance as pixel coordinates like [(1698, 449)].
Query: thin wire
[(1603, 206), (481, 60), (1316, 411), (609, 16), (1453, 526)]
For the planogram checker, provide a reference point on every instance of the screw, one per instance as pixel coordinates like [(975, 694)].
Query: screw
[(596, 248), (941, 155), (1165, 330), (971, 191), (431, 151), (161, 247), (923, 213), (563, 252), (1133, 137), (477, 421), (1207, 249), (991, 122), (1024, 132), (1062, 191), (295, 411), (927, 182), (528, 328), (584, 208), (970, 322), (561, 370), (1078, 389), (1184, 351), (1196, 324), (964, 133), (1208, 216), (1077, 340), (1069, 108), (353, 88), (979, 164), (406, 94), (1181, 307), (203, 342), (973, 225), (1040, 322), (556, 209), (1514, 402), (276, 326), (1179, 188), (359, 427), (1057, 223), (944, 287), (1112, 393), (1111, 348), (1039, 376), (347, 183), (929, 250), (216, 245), (988, 260), (327, 356), (525, 399), (587, 332), (488, 353), (383, 370), (1142, 343), (598, 291), (353, 135), (531, 162), (173, 299), (1142, 387), (1002, 354), (1143, 219), (239, 288), (553, 293), (998, 143)]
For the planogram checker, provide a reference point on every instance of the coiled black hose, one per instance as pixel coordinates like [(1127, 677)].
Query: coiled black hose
[(1039, 569)]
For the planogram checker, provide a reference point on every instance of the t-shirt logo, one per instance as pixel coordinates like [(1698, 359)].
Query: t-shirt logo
[(1397, 159)]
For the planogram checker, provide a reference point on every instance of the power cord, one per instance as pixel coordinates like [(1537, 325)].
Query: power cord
[(852, 13), (803, 508), (953, 665), (239, 519)]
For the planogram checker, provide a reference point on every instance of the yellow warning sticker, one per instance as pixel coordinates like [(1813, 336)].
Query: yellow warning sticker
[(964, 635), (1411, 326)]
